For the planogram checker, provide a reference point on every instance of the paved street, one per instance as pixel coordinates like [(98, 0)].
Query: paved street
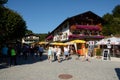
[(43, 70)]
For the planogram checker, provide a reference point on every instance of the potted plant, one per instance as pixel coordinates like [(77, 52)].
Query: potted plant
[(98, 53)]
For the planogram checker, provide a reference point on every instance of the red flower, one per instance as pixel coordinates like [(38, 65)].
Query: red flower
[(49, 37), (85, 36), (88, 27)]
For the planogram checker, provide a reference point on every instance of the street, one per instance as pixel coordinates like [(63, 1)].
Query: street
[(72, 69)]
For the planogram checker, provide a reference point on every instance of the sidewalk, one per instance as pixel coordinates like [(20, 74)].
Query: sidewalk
[(66, 70), (115, 59)]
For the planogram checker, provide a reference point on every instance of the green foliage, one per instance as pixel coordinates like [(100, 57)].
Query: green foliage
[(116, 11), (28, 32), (42, 36), (12, 25), (98, 52), (3, 1), (108, 18), (112, 25)]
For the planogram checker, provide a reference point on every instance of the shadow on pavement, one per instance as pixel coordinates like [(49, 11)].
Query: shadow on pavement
[(117, 70), (22, 61), (31, 60), (2, 66)]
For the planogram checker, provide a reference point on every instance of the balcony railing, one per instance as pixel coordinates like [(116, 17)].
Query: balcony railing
[(86, 27), (85, 36)]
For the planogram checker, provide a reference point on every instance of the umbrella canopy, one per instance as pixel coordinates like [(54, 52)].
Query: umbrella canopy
[(102, 42), (78, 41), (69, 43), (113, 41), (58, 43), (43, 42)]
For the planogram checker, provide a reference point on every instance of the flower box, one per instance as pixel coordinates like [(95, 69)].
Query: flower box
[(49, 37), (88, 27), (85, 36)]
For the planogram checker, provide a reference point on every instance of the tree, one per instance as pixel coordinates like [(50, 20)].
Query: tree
[(28, 32), (108, 18), (116, 11), (42, 36), (107, 29), (12, 25), (112, 22), (3, 2)]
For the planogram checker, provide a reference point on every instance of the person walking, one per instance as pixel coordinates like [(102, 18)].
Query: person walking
[(40, 50), (54, 53), (58, 53), (32, 52), (4, 52), (13, 59), (85, 53), (50, 54), (66, 52), (25, 51)]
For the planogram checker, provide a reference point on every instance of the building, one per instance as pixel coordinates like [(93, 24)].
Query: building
[(30, 38), (86, 26)]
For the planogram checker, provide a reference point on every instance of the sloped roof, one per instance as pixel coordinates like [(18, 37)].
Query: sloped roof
[(83, 16), (31, 35)]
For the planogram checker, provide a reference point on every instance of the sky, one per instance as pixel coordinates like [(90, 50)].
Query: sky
[(43, 16)]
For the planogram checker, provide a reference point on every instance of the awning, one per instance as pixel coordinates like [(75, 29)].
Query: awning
[(78, 41), (43, 42)]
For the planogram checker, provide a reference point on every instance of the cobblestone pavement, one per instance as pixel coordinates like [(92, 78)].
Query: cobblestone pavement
[(96, 69)]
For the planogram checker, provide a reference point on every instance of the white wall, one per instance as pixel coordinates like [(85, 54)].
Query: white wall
[(64, 35)]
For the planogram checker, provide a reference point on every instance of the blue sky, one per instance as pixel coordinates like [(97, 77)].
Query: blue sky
[(43, 16)]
